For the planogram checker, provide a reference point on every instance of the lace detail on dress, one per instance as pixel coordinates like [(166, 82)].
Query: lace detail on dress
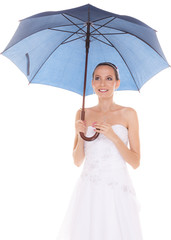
[(97, 180), (103, 163)]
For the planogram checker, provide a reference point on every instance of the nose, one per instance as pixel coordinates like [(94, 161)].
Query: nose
[(102, 82)]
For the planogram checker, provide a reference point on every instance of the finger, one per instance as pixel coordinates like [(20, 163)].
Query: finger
[(97, 130), (99, 126)]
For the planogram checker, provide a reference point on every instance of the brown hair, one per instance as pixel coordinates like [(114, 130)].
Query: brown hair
[(108, 64)]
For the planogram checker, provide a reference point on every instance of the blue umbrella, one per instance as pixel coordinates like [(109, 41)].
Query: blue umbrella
[(62, 48)]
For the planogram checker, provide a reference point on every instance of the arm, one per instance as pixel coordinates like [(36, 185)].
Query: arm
[(78, 149)]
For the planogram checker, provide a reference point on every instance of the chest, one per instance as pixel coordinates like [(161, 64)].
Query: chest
[(110, 118)]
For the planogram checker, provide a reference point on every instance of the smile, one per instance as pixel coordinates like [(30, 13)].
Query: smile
[(103, 90)]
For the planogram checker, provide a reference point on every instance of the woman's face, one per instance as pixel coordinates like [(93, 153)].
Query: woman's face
[(104, 81)]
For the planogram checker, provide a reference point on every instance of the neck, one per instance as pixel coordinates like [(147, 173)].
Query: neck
[(106, 105)]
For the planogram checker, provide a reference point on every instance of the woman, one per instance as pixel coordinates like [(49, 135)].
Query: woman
[(104, 205)]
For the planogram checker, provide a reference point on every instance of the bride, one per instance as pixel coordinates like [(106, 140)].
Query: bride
[(103, 205)]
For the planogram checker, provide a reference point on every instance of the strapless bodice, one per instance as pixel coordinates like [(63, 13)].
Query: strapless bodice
[(103, 161), (103, 149)]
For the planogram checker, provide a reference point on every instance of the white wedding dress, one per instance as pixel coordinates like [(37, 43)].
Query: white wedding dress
[(103, 205)]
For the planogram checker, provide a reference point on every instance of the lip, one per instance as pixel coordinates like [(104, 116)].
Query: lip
[(105, 90)]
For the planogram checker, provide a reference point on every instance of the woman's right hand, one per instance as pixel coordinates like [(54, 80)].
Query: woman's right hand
[(80, 126)]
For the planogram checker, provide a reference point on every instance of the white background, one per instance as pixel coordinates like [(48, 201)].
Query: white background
[(37, 174)]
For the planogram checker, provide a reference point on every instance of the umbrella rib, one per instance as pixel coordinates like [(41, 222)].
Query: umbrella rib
[(71, 40), (73, 23), (77, 32), (102, 19), (102, 41), (67, 25), (114, 28), (90, 21), (75, 17), (63, 31), (122, 59), (109, 34), (104, 24)]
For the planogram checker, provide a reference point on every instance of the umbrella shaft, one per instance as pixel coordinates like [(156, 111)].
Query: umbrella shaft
[(86, 64), (88, 37)]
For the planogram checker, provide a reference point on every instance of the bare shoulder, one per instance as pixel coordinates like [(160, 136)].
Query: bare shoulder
[(78, 114), (131, 112), (128, 116), (132, 117)]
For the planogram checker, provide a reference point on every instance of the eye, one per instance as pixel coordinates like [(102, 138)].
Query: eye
[(97, 78), (109, 78)]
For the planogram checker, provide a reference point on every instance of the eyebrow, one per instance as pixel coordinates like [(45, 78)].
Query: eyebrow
[(100, 75)]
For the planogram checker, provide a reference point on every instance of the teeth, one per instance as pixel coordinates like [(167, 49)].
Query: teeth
[(103, 90)]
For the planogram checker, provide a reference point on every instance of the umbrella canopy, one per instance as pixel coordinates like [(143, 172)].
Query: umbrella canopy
[(62, 48), (49, 48)]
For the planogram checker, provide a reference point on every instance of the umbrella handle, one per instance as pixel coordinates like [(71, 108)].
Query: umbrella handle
[(89, 138), (82, 134)]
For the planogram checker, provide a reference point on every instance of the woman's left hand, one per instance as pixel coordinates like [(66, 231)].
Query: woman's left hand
[(105, 128)]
